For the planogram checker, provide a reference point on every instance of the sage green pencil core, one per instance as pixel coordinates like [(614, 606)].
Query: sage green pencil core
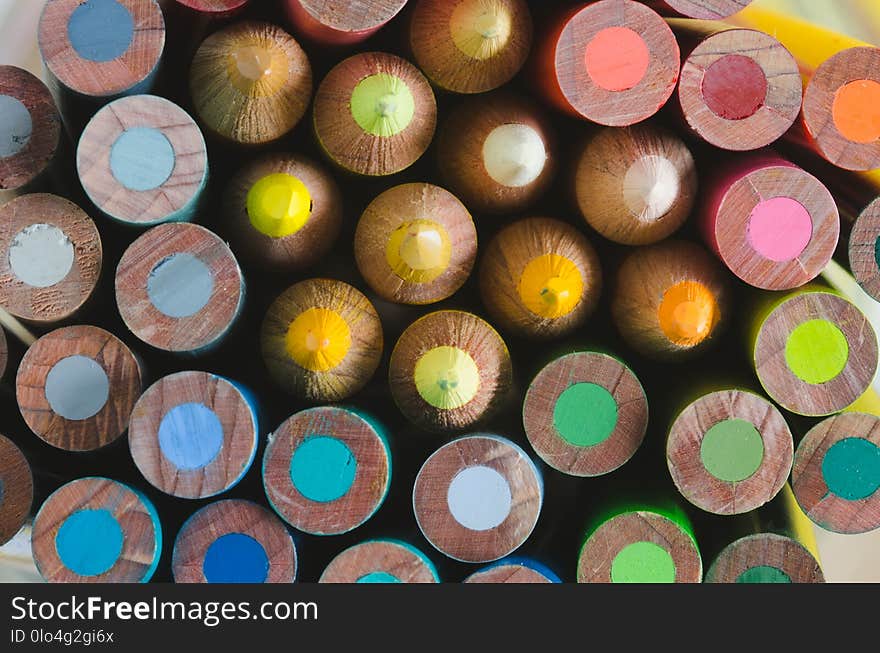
[(585, 414), (732, 450)]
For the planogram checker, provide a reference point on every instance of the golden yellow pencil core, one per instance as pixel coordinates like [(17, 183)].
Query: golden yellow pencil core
[(257, 68), (688, 313), (551, 286), (447, 377), (480, 28), (419, 251), (279, 205), (318, 339)]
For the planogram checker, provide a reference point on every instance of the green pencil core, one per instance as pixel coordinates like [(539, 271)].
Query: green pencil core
[(763, 574), (732, 450), (585, 414), (816, 351), (643, 562), (382, 105), (877, 252), (851, 469)]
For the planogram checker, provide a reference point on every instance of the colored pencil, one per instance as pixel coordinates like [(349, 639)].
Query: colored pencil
[(380, 561), (470, 46), (729, 452), (142, 160), (340, 24), (321, 340), (864, 249), (374, 114), (327, 470), (213, 9), (671, 300), (283, 211), (814, 352), (179, 288), (449, 370), (640, 545), (250, 83), (76, 387), (740, 89), (234, 541), (52, 258), (705, 9), (836, 475), (497, 152), (4, 353), (478, 498), (415, 244), (585, 413), (30, 132), (540, 278), (614, 62), (193, 434), (17, 484), (513, 570), (773, 225), (635, 185), (95, 530), (765, 558)]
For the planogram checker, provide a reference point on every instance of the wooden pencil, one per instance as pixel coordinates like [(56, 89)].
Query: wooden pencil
[(283, 211), (16, 489), (478, 498), (540, 278), (740, 89), (51, 258), (635, 185), (497, 152), (380, 561), (641, 545), (449, 370), (773, 225), (814, 352), (100, 49), (705, 9), (179, 288), (96, 530), (765, 558), (729, 452), (614, 62), (836, 475), (671, 300), (194, 435), (4, 353), (213, 9), (374, 114), (415, 244), (514, 570), (142, 160), (30, 132), (327, 470), (321, 340), (340, 24), (76, 387), (470, 46), (234, 541), (864, 249), (585, 413)]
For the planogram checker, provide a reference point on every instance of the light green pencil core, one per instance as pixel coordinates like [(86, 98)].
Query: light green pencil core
[(585, 414), (643, 562), (816, 351), (382, 105), (732, 450)]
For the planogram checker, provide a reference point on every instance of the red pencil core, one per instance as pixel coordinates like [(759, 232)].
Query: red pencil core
[(734, 87)]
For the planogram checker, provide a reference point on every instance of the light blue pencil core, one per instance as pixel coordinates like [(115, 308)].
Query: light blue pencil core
[(16, 126), (100, 30), (323, 468), (180, 285), (190, 436), (89, 542), (378, 577), (142, 158)]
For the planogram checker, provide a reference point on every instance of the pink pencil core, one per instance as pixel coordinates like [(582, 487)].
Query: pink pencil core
[(617, 59), (780, 229), (734, 87)]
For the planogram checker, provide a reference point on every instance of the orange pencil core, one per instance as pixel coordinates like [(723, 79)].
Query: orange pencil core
[(688, 313), (617, 59), (856, 111)]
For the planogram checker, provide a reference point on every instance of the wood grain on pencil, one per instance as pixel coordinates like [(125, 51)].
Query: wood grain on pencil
[(705, 9), (380, 561), (16, 489), (340, 24), (765, 558), (864, 249)]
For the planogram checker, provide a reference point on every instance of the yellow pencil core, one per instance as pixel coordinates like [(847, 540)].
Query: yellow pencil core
[(551, 286), (419, 251), (257, 68), (480, 28), (318, 339), (447, 377), (279, 205), (688, 313)]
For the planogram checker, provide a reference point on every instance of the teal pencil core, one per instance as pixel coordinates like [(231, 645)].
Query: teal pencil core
[(643, 562), (585, 414), (89, 542), (732, 450), (763, 574), (877, 251), (323, 468), (378, 577), (851, 469)]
